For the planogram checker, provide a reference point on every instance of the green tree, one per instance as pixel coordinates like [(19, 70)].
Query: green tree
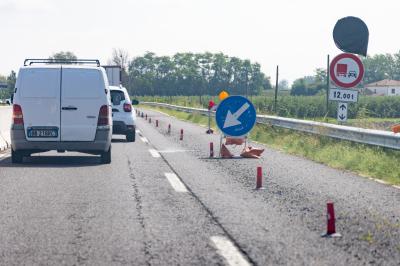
[(381, 66), (11, 80), (63, 56), (299, 87), (310, 85)]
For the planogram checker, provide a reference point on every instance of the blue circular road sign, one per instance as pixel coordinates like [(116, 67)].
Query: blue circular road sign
[(235, 116)]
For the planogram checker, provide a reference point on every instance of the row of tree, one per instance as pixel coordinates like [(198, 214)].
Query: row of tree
[(208, 73), (194, 74)]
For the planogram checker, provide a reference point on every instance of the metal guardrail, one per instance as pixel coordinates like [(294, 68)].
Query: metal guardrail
[(380, 138)]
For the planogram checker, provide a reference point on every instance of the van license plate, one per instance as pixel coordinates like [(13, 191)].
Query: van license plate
[(42, 132)]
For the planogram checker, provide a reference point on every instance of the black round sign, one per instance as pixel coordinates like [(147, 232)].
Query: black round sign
[(351, 35)]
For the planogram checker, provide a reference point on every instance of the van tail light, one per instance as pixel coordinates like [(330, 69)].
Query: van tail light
[(18, 117), (127, 107), (104, 117)]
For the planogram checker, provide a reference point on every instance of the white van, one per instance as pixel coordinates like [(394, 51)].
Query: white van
[(61, 106)]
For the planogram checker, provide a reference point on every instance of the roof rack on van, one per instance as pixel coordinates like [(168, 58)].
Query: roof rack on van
[(61, 61)]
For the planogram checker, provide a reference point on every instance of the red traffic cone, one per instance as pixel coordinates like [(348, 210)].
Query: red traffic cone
[(330, 219)]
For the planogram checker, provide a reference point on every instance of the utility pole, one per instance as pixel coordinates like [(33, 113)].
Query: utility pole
[(276, 88)]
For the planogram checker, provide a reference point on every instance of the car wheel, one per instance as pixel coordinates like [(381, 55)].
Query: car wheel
[(130, 136), (106, 156), (16, 156)]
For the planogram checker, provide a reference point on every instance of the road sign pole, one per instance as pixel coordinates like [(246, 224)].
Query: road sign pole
[(327, 86)]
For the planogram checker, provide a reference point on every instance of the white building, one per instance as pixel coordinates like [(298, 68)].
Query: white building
[(386, 87)]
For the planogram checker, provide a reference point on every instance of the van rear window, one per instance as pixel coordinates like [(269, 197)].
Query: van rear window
[(39, 83), (82, 83)]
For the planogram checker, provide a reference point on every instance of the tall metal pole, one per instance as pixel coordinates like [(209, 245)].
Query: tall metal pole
[(327, 85), (276, 88)]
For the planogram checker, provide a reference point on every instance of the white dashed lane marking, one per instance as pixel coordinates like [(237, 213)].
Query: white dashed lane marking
[(154, 153), (227, 249), (176, 183), (144, 139)]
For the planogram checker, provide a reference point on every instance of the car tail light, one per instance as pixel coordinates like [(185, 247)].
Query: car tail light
[(104, 117), (18, 117), (127, 107)]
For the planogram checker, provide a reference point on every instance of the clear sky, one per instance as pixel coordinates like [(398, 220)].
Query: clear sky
[(296, 35)]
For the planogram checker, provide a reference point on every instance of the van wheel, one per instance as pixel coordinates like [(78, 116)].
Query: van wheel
[(106, 156), (16, 156), (130, 136)]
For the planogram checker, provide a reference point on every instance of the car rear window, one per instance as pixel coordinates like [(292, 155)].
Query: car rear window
[(117, 97), (82, 83), (39, 82)]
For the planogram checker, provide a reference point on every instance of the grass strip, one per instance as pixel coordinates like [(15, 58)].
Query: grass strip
[(365, 160)]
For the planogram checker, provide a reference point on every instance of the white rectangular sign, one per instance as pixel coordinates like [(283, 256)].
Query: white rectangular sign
[(342, 112), (343, 95)]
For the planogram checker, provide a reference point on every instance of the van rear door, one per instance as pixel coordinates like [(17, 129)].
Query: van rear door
[(82, 95), (39, 97)]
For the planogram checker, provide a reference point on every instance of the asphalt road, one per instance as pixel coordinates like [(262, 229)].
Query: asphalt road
[(162, 201)]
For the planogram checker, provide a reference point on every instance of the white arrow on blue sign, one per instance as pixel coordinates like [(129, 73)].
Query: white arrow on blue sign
[(235, 116)]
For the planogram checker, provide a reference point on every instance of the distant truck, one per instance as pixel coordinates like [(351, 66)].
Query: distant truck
[(113, 75)]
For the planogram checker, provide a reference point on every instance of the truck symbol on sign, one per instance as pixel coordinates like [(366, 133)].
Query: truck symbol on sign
[(341, 70)]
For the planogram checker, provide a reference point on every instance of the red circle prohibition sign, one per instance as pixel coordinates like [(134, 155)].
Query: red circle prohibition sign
[(356, 60)]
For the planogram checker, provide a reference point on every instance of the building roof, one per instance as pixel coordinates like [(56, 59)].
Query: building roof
[(384, 83)]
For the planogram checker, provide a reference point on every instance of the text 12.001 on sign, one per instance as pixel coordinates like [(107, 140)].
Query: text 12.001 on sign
[(343, 95)]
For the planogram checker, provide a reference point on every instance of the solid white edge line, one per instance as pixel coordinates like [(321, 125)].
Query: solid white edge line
[(154, 153), (228, 251), (175, 182), (383, 182)]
